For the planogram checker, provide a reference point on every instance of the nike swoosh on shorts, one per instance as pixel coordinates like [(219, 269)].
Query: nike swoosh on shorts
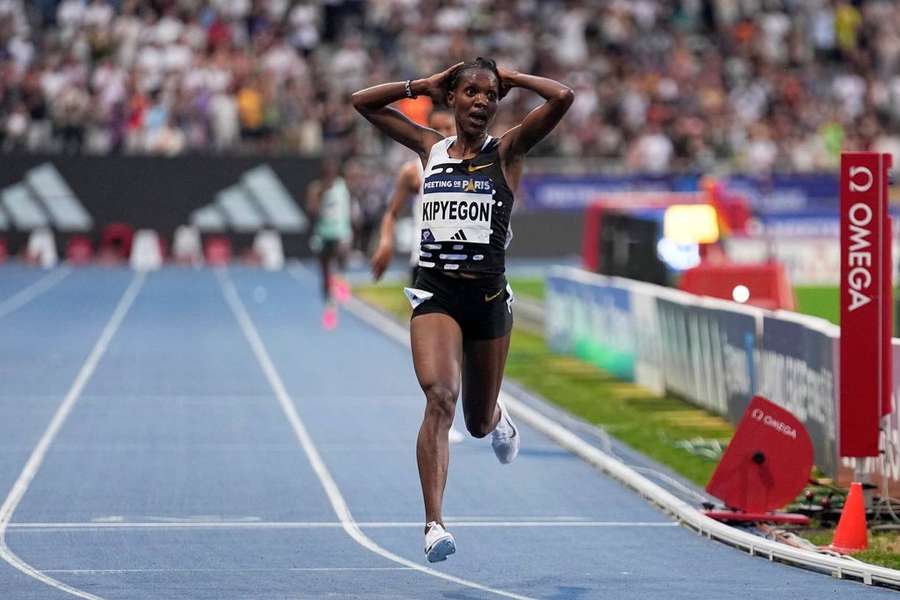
[(489, 298)]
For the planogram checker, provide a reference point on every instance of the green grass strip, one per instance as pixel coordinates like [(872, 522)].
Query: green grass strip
[(825, 301), (819, 301), (530, 287), (884, 546)]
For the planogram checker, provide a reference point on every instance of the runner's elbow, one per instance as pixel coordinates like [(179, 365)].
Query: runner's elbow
[(565, 96), (358, 101)]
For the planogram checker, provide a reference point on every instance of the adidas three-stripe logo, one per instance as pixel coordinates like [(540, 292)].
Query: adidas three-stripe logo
[(259, 199), (459, 236), (43, 198)]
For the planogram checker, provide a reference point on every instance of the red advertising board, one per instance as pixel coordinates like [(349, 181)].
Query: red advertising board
[(888, 305), (865, 278)]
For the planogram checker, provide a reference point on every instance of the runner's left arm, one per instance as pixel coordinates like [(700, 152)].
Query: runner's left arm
[(540, 121)]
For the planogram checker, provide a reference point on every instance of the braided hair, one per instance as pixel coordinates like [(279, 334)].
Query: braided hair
[(487, 64)]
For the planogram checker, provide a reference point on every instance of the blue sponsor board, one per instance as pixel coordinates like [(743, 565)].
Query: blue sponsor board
[(610, 344), (593, 321), (559, 192), (812, 224), (739, 341), (709, 355), (786, 193), (767, 195), (803, 224), (558, 300), (796, 371)]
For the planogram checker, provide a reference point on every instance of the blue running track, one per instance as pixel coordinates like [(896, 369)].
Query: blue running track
[(183, 469)]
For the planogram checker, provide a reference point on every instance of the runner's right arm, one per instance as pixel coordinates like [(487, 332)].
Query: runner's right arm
[(407, 184), (372, 103)]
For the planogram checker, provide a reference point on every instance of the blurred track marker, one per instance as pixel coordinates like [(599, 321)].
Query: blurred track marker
[(42, 285), (269, 250), (338, 504), (37, 455), (41, 248), (145, 251), (187, 248)]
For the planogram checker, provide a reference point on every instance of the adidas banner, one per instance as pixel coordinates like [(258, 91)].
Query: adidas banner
[(229, 195)]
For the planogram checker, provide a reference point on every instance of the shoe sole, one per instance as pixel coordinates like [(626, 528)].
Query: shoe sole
[(441, 550), (455, 436)]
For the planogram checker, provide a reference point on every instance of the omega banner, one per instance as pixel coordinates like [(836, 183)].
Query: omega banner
[(865, 365)]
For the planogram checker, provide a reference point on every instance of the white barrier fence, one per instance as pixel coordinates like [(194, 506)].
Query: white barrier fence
[(713, 353)]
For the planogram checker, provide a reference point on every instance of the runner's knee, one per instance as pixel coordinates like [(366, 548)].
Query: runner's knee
[(441, 401), (480, 425)]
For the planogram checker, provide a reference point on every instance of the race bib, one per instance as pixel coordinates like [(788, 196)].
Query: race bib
[(457, 209)]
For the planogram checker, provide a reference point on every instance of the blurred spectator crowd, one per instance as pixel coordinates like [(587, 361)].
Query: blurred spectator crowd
[(753, 85)]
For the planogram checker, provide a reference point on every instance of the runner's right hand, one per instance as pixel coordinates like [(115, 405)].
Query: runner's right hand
[(437, 81)]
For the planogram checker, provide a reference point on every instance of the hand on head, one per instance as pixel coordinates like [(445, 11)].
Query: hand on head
[(506, 80), (437, 84)]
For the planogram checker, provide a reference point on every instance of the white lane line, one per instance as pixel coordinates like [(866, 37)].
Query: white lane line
[(26, 295), (342, 511), (324, 525), (37, 455), (267, 570)]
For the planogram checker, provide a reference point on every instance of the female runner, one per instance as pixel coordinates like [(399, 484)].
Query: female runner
[(462, 314)]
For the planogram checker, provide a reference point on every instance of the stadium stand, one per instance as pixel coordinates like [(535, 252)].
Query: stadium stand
[(772, 82)]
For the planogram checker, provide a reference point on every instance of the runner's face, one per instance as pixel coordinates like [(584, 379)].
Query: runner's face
[(443, 123), (474, 100)]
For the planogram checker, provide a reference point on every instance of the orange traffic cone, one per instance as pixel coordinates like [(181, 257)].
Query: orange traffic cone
[(851, 534)]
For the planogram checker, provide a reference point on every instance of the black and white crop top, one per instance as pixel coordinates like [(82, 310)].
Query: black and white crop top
[(466, 206)]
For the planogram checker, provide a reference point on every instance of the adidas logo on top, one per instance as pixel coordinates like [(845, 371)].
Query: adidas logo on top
[(43, 199), (459, 236), (259, 200)]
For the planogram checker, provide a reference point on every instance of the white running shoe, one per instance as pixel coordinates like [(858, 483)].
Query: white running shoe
[(455, 436), (505, 437), (439, 543)]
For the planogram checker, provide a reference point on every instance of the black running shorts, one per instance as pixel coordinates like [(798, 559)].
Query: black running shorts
[(481, 306)]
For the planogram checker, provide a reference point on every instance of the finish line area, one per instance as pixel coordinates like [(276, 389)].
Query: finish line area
[(196, 434)]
